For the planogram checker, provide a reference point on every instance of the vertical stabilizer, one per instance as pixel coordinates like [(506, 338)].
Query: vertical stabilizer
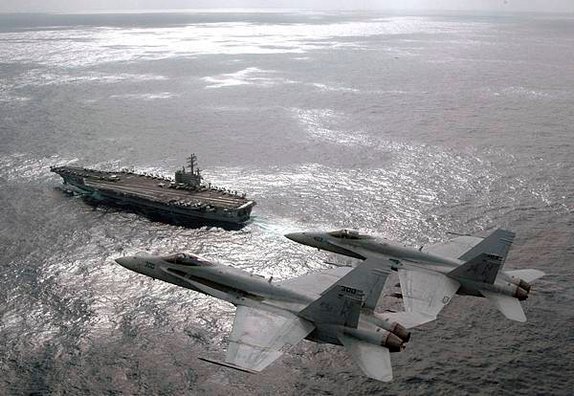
[(369, 277), (483, 268), (340, 305), (497, 243)]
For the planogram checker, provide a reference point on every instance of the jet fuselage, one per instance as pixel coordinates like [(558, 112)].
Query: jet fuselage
[(396, 256), (224, 282), (243, 288)]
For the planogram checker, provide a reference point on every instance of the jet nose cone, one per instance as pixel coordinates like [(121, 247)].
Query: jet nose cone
[(127, 262), (298, 237), (312, 239)]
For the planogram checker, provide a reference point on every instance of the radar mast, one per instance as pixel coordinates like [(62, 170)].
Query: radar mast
[(192, 163), (193, 177)]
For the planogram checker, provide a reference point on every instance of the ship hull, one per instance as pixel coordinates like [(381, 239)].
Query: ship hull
[(98, 193)]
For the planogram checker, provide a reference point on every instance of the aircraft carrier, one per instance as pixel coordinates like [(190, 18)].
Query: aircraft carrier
[(184, 200)]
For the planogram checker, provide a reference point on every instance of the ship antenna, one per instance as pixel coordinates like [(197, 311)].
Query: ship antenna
[(192, 162)]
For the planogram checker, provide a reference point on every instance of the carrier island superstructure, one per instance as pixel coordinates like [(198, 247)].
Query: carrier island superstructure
[(186, 199)]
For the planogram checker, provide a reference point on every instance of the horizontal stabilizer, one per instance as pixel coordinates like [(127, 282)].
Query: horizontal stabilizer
[(528, 275), (229, 365), (374, 360), (407, 319), (483, 268), (509, 306)]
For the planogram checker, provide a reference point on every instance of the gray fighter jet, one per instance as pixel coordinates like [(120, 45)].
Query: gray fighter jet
[(429, 276), (336, 306)]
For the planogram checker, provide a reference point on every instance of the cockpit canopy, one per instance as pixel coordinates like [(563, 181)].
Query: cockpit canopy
[(348, 234), (187, 259)]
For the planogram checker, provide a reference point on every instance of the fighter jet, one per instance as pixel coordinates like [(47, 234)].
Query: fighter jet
[(430, 275), (335, 306)]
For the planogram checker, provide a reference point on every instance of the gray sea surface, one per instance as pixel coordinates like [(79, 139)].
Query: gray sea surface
[(404, 126)]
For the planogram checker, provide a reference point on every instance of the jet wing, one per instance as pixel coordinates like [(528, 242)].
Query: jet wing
[(468, 247), (316, 283), (454, 248), (426, 292), (260, 337)]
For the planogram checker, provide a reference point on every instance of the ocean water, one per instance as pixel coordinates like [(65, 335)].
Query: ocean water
[(405, 126)]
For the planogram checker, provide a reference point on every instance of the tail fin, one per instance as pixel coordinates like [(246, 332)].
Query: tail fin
[(370, 277), (509, 306), (483, 268), (340, 305), (497, 243)]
